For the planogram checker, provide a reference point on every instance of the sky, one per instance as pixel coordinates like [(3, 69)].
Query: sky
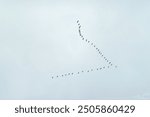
[(39, 39)]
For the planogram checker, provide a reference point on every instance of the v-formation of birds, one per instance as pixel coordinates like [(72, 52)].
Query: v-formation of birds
[(109, 63)]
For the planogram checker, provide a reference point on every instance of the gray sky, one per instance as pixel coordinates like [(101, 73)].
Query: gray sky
[(40, 39)]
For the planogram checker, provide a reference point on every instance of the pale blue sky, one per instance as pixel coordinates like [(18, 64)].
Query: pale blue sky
[(39, 39)]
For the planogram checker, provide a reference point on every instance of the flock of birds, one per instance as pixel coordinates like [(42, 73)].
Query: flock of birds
[(109, 63)]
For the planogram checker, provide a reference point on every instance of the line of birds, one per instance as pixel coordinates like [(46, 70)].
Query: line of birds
[(89, 70)]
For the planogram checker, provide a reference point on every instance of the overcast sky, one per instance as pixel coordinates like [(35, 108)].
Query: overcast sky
[(40, 39)]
